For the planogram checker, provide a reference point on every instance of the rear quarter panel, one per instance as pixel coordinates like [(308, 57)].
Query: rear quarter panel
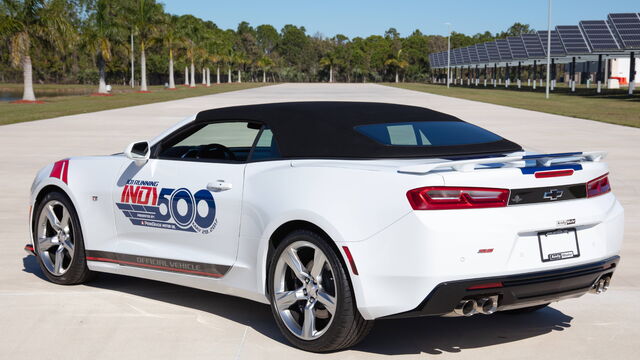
[(349, 204)]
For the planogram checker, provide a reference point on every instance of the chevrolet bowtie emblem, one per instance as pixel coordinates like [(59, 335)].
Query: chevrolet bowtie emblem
[(516, 199), (553, 194)]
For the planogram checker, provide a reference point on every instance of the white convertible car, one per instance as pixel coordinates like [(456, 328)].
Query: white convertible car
[(336, 214)]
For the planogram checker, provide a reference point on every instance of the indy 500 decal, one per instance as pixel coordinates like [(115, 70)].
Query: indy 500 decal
[(176, 209)]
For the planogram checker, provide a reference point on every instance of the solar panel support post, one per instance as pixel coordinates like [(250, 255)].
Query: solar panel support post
[(485, 75), (553, 74), (573, 74), (519, 73), (449, 56), (507, 77), (632, 72), (495, 74), (468, 75), (476, 75), (599, 74), (588, 74), (535, 72)]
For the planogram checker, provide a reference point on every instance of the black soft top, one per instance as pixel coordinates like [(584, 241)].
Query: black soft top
[(324, 129)]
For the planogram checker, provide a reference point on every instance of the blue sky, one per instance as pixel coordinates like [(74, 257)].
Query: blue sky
[(366, 17)]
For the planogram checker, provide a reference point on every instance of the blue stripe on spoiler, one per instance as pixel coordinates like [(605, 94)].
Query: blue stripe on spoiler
[(533, 170), (540, 156)]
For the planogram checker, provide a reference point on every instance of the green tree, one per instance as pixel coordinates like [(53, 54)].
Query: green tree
[(265, 63), (34, 23), (330, 60), (146, 17), (103, 28), (516, 29), (172, 39), (397, 63)]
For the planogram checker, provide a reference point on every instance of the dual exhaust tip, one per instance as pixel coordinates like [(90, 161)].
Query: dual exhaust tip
[(601, 285), (489, 304), (485, 305)]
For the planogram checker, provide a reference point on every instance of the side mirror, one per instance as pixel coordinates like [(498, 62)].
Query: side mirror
[(138, 152)]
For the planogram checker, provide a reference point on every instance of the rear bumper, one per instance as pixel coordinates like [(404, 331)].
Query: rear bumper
[(517, 290)]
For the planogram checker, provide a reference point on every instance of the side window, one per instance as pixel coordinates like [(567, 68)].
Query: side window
[(228, 141), (266, 147)]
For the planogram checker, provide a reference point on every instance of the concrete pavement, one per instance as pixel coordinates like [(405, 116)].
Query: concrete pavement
[(119, 317)]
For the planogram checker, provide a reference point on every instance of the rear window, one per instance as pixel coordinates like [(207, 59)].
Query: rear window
[(427, 133)]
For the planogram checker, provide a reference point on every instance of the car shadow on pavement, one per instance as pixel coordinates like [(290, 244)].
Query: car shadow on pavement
[(438, 335), (431, 335), (31, 266)]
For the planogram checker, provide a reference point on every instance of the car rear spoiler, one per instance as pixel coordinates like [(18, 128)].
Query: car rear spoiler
[(542, 160)]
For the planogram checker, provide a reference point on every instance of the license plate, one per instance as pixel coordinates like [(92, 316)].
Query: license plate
[(558, 245)]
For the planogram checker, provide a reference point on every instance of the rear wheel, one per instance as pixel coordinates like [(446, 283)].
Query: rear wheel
[(58, 240), (311, 296)]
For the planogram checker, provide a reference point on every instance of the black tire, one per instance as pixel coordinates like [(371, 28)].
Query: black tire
[(348, 327), (77, 272), (524, 310)]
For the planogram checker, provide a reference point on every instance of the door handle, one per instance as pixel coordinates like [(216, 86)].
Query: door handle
[(219, 185)]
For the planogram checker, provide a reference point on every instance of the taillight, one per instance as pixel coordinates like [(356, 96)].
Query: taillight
[(598, 186), (442, 198)]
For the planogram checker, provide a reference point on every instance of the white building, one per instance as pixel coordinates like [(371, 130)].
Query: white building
[(620, 69)]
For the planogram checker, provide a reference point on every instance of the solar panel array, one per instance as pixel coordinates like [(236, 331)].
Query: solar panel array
[(517, 47), (466, 59), (620, 32), (572, 39), (483, 55), (492, 49), (503, 50), (599, 36), (473, 54), (533, 46), (457, 55), (557, 50), (627, 28)]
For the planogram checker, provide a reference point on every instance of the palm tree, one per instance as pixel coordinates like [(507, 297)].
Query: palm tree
[(171, 39), (240, 59), (146, 16), (330, 60), (103, 28), (31, 22), (191, 33), (264, 63), (215, 60), (397, 63)]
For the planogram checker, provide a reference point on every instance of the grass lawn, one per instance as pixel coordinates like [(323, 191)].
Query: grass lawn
[(613, 107), (77, 104)]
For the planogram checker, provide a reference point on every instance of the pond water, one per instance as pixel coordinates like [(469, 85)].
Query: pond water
[(10, 95)]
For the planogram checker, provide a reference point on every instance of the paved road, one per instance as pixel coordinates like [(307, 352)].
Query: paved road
[(118, 317)]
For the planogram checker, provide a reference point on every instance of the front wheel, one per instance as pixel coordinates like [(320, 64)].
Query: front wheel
[(58, 240), (311, 296)]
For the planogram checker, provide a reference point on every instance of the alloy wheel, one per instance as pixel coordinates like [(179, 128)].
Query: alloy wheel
[(55, 243), (305, 290)]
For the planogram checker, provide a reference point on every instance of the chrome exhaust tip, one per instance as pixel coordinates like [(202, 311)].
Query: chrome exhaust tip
[(601, 285), (487, 305), (466, 308)]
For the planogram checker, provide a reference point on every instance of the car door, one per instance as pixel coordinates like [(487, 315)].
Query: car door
[(180, 211)]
